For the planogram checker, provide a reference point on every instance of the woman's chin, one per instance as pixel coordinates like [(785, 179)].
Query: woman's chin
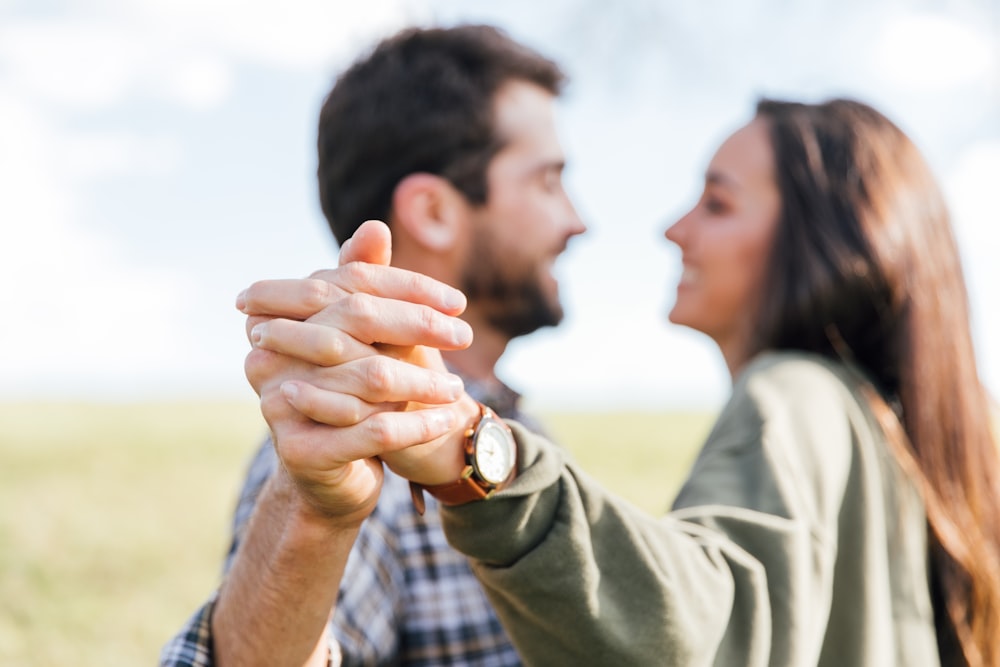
[(683, 319), (676, 316)]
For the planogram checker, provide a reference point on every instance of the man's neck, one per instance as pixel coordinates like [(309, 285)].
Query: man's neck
[(477, 367), (478, 361)]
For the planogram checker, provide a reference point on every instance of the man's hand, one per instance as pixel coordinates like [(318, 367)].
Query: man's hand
[(341, 387), (344, 383)]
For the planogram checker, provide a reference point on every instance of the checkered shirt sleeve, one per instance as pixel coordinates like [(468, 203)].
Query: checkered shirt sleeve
[(407, 598), (192, 646)]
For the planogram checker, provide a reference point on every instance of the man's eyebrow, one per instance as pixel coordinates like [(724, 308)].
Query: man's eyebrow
[(558, 165)]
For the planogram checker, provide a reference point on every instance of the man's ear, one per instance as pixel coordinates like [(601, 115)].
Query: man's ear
[(430, 209)]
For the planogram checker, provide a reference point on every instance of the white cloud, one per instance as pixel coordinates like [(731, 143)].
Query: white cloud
[(90, 65), (971, 189), (75, 305), (927, 53), (87, 313), (294, 34), (83, 65), (198, 82), (85, 308), (183, 51)]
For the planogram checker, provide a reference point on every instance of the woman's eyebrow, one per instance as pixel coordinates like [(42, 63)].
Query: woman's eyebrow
[(719, 178)]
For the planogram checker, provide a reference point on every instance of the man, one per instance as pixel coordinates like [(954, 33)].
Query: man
[(448, 134)]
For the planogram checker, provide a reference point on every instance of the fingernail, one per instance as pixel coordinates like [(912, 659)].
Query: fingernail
[(461, 332), (344, 247), (455, 386), (241, 301), (290, 391), (454, 300), (256, 334)]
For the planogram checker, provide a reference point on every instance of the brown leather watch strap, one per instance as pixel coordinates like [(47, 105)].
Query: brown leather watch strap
[(466, 488), (461, 491)]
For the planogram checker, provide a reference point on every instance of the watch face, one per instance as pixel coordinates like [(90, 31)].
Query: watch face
[(495, 452)]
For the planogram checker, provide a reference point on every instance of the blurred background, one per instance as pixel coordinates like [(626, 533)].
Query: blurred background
[(157, 156)]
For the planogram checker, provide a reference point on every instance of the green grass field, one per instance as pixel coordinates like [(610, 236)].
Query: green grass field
[(114, 518)]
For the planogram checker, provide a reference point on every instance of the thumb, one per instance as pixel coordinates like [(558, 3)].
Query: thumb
[(371, 243)]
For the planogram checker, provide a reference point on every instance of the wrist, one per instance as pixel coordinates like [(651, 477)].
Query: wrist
[(441, 459), (468, 412), (489, 463), (307, 516)]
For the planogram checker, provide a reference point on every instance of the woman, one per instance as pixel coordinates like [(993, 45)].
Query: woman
[(844, 509)]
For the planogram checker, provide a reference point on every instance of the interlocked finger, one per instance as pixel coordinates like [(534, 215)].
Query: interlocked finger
[(301, 298), (381, 432), (380, 379), (394, 283), (330, 407), (295, 298), (373, 319), (306, 341)]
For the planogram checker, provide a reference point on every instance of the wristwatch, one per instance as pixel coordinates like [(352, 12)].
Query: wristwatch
[(490, 461)]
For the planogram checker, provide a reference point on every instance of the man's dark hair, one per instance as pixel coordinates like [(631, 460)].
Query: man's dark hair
[(422, 101)]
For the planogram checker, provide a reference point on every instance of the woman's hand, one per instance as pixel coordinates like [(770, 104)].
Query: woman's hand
[(347, 369)]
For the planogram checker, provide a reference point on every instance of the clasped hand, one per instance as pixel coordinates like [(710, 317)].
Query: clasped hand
[(347, 368)]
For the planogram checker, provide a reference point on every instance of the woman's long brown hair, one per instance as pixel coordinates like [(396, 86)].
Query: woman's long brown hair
[(864, 261)]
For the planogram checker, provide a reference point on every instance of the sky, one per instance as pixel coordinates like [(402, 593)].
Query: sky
[(157, 156)]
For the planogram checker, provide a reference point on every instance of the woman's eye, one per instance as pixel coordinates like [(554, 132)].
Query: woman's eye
[(714, 205)]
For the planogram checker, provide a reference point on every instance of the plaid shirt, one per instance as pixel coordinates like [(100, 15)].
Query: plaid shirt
[(407, 598)]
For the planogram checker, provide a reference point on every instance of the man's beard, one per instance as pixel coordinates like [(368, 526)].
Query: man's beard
[(511, 300)]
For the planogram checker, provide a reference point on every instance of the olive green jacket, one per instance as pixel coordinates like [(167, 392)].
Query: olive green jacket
[(796, 540)]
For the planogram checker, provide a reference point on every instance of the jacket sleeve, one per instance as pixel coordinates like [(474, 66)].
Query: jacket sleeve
[(739, 573)]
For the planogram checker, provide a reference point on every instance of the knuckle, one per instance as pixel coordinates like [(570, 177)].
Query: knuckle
[(331, 350), (255, 287), (381, 429), (414, 283), (291, 449), (361, 306), (429, 321), (356, 273), (271, 405), (251, 296), (322, 274), (254, 320), (424, 429), (256, 366), (316, 294), (353, 412), (378, 376), (436, 386)]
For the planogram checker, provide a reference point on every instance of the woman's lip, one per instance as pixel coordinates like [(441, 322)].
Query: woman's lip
[(689, 275)]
